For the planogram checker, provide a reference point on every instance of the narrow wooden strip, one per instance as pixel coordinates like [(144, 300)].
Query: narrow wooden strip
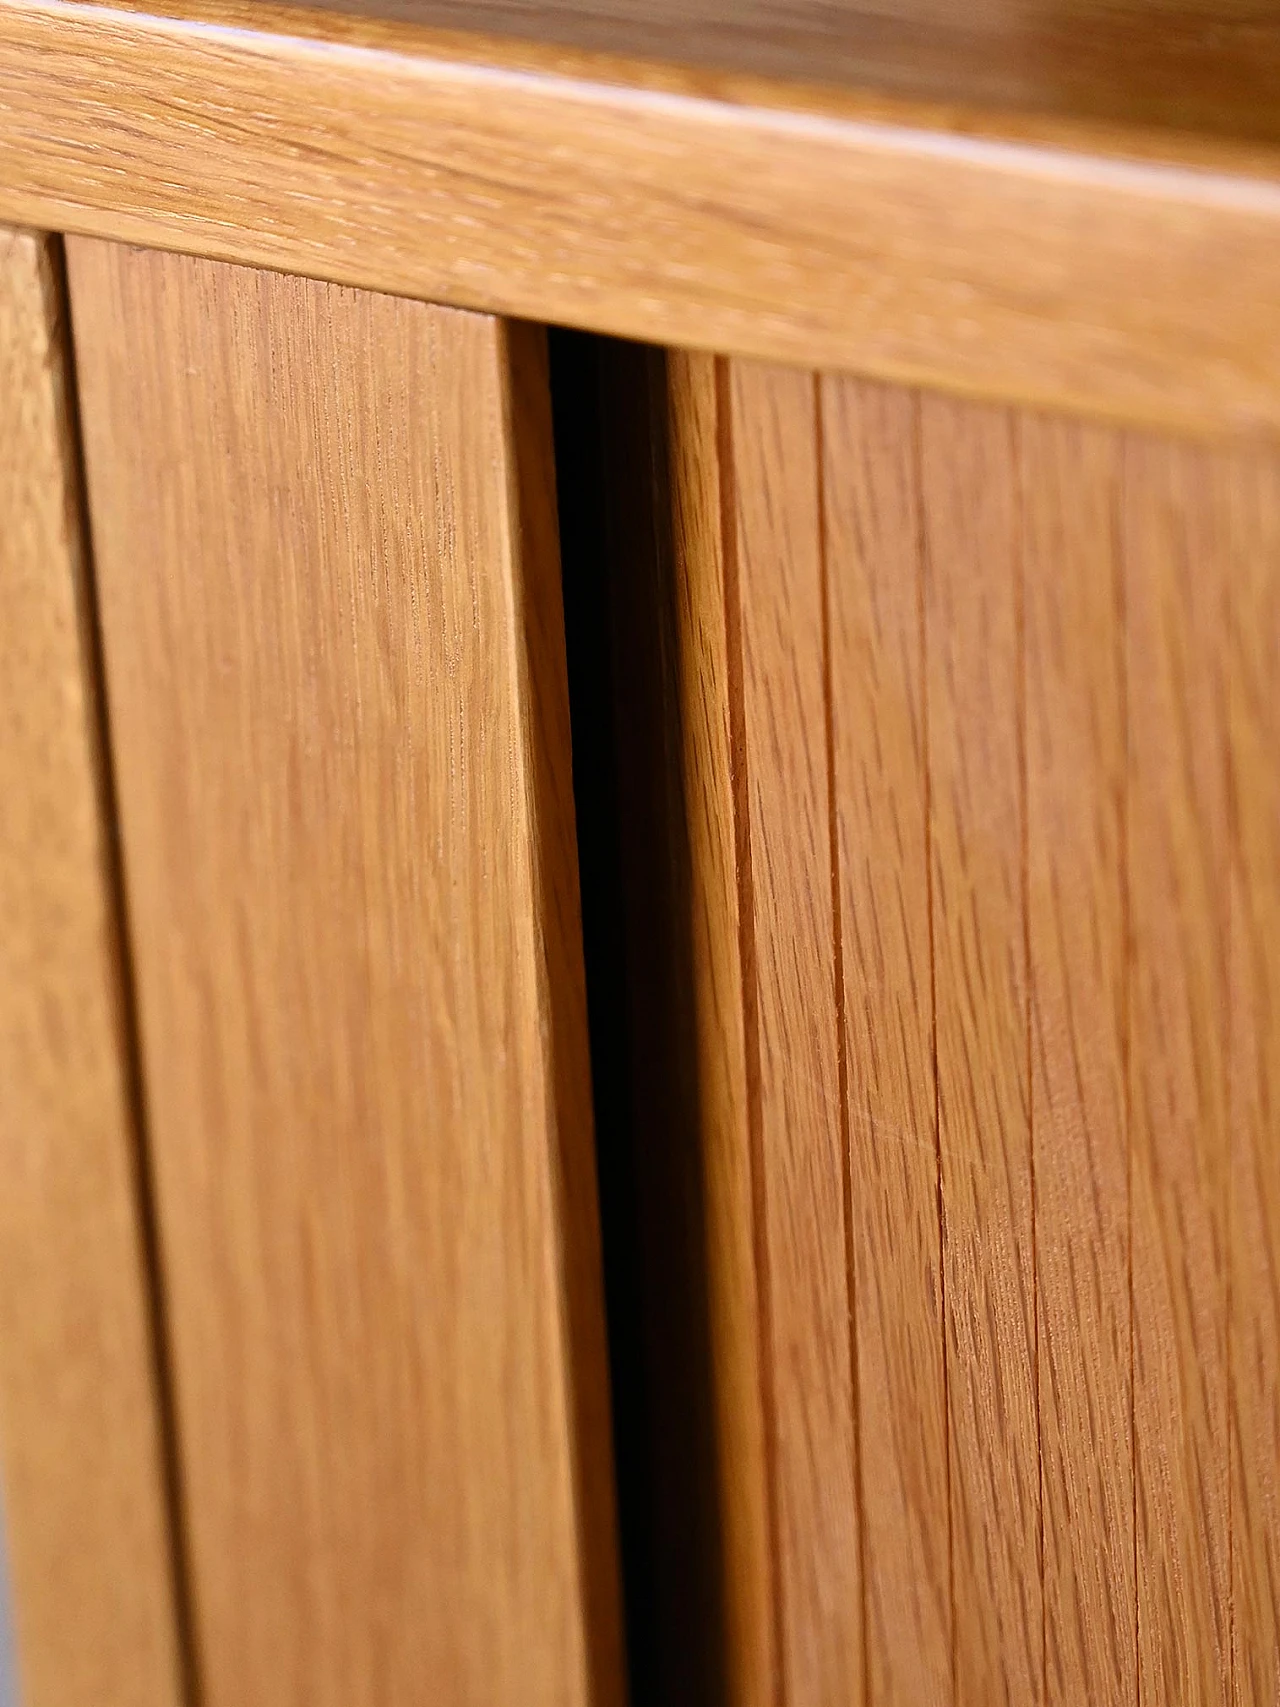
[(1069, 478), (739, 1348), (1178, 564), (872, 499), (1254, 595), (1067, 265), (969, 501), (330, 602), (776, 484), (84, 1502)]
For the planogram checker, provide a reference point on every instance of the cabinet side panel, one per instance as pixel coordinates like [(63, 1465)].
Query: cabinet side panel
[(80, 1437), (327, 590)]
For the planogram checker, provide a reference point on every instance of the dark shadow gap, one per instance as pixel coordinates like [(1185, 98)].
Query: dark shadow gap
[(609, 405)]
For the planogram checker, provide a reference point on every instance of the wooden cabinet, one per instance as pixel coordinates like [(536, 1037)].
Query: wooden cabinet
[(887, 1113)]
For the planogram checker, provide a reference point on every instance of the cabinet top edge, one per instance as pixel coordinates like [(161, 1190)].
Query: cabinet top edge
[(1188, 81), (1094, 228)]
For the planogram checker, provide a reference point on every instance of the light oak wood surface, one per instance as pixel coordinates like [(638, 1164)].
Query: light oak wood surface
[(969, 506), (1125, 264), (327, 562), (872, 505), (703, 708), (1012, 796), (1253, 1351), (1201, 65), (82, 1479), (771, 495), (1181, 556), (1075, 733)]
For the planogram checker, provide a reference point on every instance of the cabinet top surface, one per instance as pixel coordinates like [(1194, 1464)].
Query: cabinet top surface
[(1210, 67)]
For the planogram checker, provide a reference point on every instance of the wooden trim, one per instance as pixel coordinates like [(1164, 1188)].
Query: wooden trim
[(1063, 265)]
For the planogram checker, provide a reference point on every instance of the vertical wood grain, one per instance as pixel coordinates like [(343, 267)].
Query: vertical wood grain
[(1051, 658), (1254, 1088), (709, 705), (974, 662), (325, 532), (1178, 564), (872, 501), (769, 441), (83, 1492), (1075, 732)]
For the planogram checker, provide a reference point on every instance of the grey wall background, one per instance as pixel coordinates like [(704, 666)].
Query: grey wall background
[(8, 1681)]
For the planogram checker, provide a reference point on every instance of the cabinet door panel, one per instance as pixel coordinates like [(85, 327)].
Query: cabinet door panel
[(999, 761), (82, 1490), (326, 544)]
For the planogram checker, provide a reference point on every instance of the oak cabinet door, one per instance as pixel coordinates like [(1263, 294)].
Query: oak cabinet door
[(976, 862), (325, 545)]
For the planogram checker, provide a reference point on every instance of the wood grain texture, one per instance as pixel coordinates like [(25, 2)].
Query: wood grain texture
[(325, 534), (1179, 559), (1073, 603), (771, 487), (977, 808), (1209, 65), (1073, 263), (1254, 1086), (1039, 690), (735, 1259), (84, 1498), (871, 485)]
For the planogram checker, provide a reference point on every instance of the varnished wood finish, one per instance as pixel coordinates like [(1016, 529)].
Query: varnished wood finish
[(962, 245), (1075, 734), (874, 568), (776, 620), (82, 1484), (1034, 715), (1253, 667), (977, 840), (1181, 557), (328, 574), (702, 754), (1202, 65)]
